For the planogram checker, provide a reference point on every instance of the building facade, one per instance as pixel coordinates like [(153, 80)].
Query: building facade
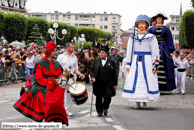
[(106, 22), (13, 6), (175, 27)]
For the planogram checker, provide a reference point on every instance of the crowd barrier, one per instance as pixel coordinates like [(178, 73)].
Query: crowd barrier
[(5, 77)]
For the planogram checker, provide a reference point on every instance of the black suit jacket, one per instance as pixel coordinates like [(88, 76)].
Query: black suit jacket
[(111, 76), (98, 45)]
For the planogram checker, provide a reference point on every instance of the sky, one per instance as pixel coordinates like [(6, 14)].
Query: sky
[(128, 9)]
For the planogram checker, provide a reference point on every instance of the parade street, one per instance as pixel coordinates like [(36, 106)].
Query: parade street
[(171, 112)]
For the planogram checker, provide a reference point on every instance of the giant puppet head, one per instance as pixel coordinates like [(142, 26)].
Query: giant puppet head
[(142, 22), (160, 17)]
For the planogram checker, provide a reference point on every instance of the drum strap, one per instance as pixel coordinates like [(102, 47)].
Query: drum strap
[(69, 66)]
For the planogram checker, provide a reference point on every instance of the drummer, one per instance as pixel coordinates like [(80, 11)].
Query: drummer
[(69, 61)]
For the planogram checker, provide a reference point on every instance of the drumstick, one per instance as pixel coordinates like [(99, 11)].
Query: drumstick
[(68, 84)]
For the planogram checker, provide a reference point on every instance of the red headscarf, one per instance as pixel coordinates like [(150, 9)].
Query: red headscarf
[(49, 47)]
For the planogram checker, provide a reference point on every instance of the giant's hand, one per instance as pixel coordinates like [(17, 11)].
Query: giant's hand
[(127, 70), (155, 70)]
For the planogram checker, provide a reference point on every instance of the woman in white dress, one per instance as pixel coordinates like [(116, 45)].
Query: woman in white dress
[(141, 79)]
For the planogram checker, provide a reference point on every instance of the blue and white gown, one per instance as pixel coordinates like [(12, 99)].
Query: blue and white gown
[(141, 83)]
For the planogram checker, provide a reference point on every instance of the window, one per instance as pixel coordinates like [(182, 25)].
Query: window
[(76, 17), (101, 26), (93, 17), (177, 28), (16, 4), (105, 18), (177, 20), (172, 28), (52, 17), (93, 25), (29, 15), (56, 17), (44, 16), (68, 17), (176, 37), (85, 25), (76, 25), (68, 23), (105, 27), (101, 18), (64, 17), (114, 19), (85, 17)]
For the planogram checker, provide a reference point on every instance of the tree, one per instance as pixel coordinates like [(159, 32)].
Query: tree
[(192, 3), (186, 33), (36, 36), (168, 25), (15, 27), (42, 24)]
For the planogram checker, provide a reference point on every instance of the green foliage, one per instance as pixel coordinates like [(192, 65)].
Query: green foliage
[(15, 27), (36, 36), (74, 31), (168, 25), (186, 34), (91, 33), (59, 29), (192, 3), (42, 24), (86, 45), (2, 25)]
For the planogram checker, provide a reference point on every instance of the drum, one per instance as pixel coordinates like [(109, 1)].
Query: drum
[(78, 92)]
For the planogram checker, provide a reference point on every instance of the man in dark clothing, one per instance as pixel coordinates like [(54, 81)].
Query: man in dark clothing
[(117, 59), (96, 43), (104, 78)]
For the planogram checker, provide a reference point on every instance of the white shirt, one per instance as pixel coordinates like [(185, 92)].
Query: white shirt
[(104, 61), (72, 59), (96, 43), (181, 64), (175, 58)]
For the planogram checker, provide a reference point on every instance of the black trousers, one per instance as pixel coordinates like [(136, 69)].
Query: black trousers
[(102, 103)]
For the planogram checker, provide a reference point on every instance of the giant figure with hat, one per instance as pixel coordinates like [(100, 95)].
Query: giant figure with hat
[(141, 83), (166, 78), (44, 99)]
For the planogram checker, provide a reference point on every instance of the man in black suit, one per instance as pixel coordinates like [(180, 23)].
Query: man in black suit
[(104, 78), (96, 43)]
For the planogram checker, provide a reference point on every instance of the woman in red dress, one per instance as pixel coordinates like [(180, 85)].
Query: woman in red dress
[(40, 102)]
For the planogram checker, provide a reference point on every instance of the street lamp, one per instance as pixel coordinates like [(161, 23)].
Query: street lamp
[(80, 39), (54, 33)]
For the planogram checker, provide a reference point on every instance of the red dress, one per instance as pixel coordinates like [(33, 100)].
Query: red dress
[(40, 103)]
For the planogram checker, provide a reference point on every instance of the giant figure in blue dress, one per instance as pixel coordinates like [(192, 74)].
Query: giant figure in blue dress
[(166, 78)]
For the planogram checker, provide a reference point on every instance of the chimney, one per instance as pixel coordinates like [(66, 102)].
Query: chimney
[(104, 12)]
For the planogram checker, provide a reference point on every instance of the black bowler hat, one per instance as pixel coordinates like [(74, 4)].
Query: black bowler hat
[(104, 48)]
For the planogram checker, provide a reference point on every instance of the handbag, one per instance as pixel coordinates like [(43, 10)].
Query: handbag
[(51, 83)]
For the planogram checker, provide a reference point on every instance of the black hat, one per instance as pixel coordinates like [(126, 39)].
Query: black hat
[(160, 14), (104, 48)]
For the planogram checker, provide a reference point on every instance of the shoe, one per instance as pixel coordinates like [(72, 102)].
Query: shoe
[(137, 105), (183, 93), (144, 105), (99, 114), (177, 92), (69, 113), (105, 112)]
